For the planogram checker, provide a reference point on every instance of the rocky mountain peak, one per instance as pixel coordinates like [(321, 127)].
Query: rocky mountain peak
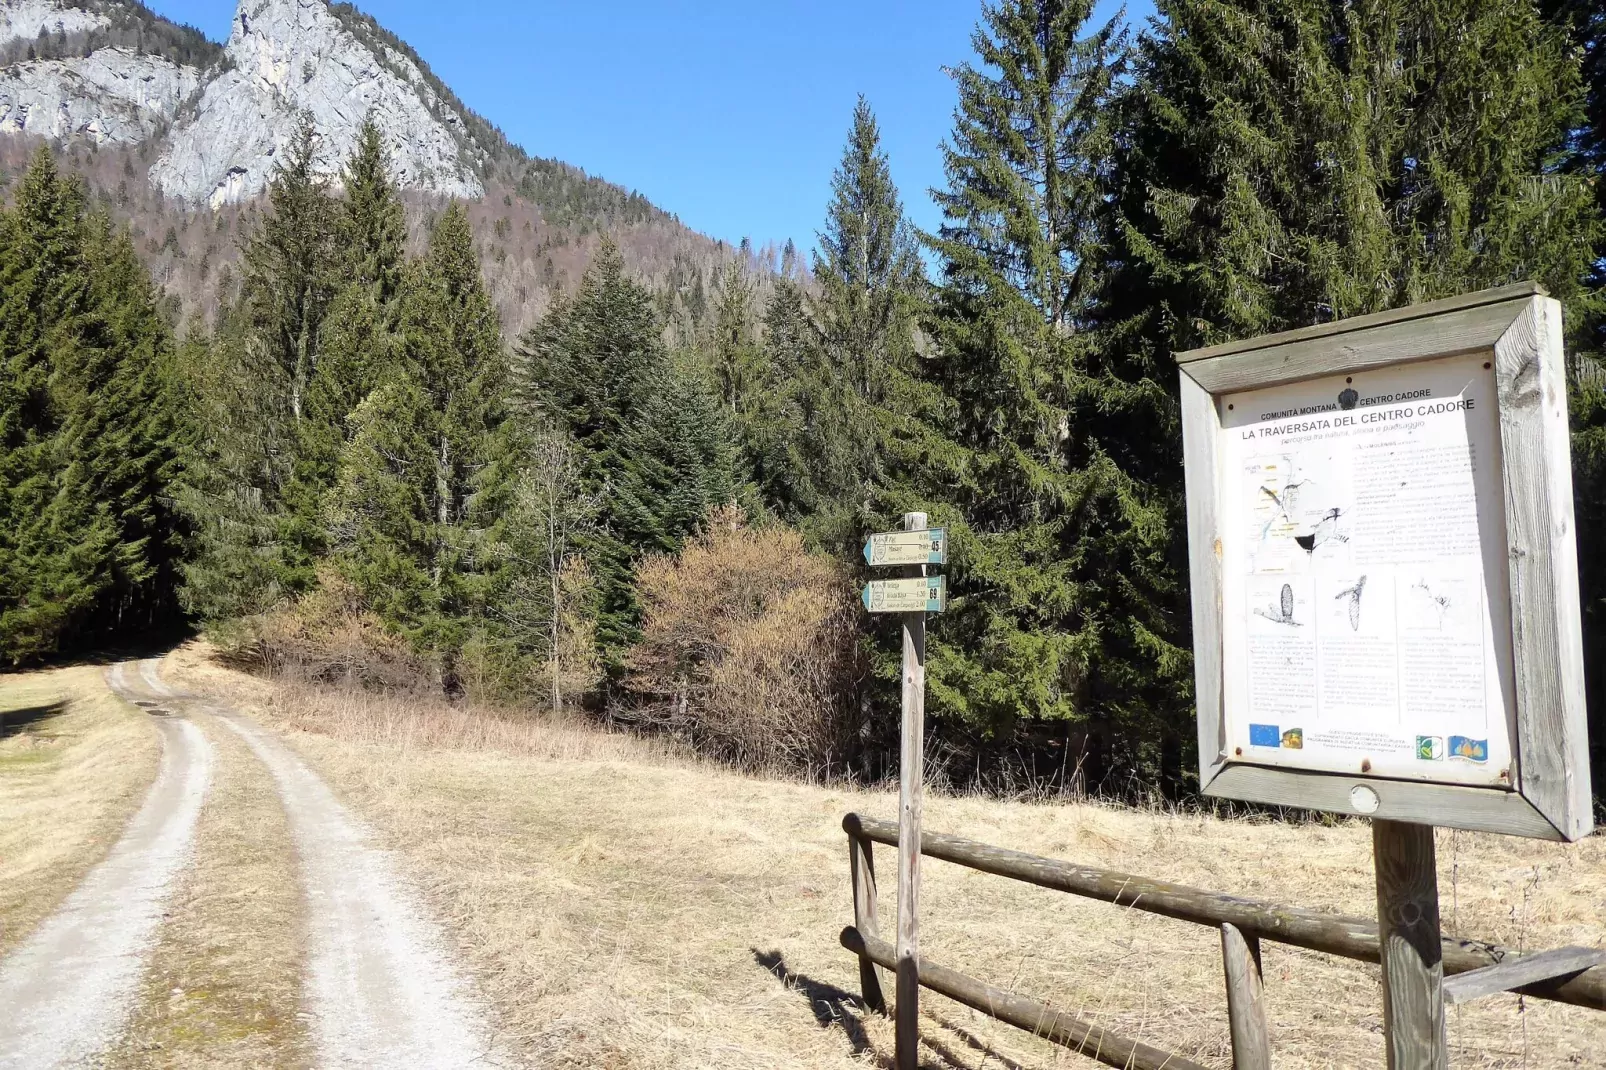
[(112, 71), (290, 59)]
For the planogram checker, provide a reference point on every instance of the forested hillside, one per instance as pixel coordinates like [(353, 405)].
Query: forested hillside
[(493, 449), (533, 245)]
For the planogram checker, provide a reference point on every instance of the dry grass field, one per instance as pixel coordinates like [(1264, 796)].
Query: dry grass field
[(627, 906), (75, 763)]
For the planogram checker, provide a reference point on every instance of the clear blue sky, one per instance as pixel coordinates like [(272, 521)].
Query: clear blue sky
[(729, 113)]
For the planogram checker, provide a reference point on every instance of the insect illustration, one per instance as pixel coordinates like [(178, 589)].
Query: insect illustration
[(1354, 596), (1283, 611)]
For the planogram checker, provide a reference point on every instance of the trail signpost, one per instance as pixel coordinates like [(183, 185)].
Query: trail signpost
[(1385, 594), (925, 547), (914, 596), (920, 594)]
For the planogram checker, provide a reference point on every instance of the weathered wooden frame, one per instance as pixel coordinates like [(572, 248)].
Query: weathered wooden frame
[(1550, 793)]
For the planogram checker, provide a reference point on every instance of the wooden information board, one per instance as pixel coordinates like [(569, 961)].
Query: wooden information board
[(1385, 592)]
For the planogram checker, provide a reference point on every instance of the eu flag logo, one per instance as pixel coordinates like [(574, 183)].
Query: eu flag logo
[(1265, 735)]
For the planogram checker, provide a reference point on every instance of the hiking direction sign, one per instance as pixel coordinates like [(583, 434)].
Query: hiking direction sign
[(926, 547), (918, 594), (912, 550)]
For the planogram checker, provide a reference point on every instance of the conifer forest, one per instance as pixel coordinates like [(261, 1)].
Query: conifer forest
[(350, 468)]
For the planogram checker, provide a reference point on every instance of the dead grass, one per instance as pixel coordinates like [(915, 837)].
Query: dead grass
[(70, 778), (627, 909), (223, 985), (411, 724)]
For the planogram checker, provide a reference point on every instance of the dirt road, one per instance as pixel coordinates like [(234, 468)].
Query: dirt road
[(380, 987), (68, 990)]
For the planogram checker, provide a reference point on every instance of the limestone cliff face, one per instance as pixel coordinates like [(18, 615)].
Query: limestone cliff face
[(290, 58), (111, 95), (25, 20), (226, 121), (107, 94)]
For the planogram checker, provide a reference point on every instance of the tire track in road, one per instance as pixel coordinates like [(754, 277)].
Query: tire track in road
[(381, 987), (67, 991), (150, 672)]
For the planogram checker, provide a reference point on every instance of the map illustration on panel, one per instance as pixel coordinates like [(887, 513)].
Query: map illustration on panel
[(1295, 514)]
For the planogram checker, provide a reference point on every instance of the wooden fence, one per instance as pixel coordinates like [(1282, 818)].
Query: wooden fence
[(1479, 968)]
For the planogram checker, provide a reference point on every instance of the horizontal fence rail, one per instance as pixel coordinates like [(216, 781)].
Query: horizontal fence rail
[(1082, 1037), (1333, 934)]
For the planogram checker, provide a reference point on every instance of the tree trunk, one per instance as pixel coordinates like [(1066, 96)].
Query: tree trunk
[(557, 618), (444, 658)]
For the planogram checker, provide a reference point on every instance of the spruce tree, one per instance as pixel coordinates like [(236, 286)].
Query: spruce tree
[(1585, 23), (289, 274), (427, 472), (1065, 603), (1397, 153), (757, 394), (359, 327), (121, 427), (675, 461), (737, 359), (852, 375), (371, 224), (87, 450), (776, 438), (657, 449), (256, 515), (44, 578), (868, 266), (1288, 162), (585, 364)]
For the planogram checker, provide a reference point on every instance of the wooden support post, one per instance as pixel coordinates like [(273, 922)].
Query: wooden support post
[(1412, 951), (911, 793), (861, 863), (1246, 1008)]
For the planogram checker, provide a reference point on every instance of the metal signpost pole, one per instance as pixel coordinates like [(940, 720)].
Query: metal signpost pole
[(910, 799)]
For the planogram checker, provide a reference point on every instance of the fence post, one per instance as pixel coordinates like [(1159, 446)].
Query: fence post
[(861, 863), (911, 802), (1411, 946), (1246, 1008)]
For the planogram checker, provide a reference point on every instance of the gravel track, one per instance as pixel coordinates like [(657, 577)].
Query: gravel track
[(66, 992), (381, 987)]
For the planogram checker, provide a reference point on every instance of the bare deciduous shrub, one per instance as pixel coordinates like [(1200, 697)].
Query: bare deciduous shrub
[(328, 637), (749, 648)]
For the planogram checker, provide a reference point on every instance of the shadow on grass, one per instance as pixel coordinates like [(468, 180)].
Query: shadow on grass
[(15, 721), (831, 1006), (975, 1043)]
